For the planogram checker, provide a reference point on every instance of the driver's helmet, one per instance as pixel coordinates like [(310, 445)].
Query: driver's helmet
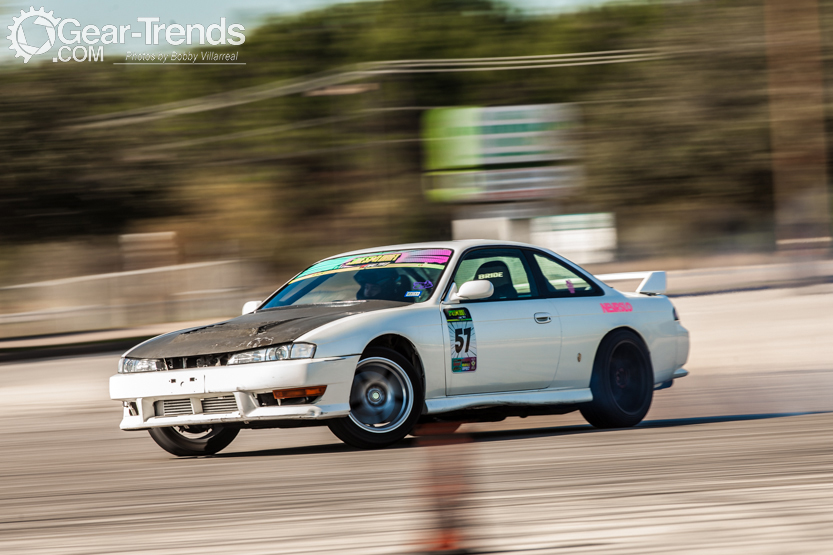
[(377, 283)]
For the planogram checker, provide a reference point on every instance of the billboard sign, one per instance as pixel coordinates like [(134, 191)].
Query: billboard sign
[(499, 153)]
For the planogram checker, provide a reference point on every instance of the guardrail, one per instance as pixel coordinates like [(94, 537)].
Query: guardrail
[(127, 299)]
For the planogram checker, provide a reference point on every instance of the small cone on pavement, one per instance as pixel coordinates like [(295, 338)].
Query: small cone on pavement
[(446, 487)]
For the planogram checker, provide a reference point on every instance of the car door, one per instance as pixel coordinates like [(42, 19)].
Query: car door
[(508, 342), (575, 299)]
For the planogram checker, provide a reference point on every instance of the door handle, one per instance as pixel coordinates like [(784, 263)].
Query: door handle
[(543, 317)]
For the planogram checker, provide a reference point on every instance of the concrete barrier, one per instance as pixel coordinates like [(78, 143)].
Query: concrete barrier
[(217, 290), (713, 280), (183, 292)]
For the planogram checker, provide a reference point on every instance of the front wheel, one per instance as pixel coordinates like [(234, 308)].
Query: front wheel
[(193, 441), (385, 401), (622, 382)]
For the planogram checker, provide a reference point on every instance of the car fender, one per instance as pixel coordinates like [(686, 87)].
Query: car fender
[(422, 325), (652, 318)]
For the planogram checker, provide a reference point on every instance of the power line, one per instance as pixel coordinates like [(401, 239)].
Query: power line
[(573, 63), (215, 102), (360, 71), (508, 60)]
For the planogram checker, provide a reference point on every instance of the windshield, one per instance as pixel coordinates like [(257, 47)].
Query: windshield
[(407, 276)]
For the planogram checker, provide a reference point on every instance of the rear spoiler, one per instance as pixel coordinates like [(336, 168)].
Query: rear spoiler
[(653, 283)]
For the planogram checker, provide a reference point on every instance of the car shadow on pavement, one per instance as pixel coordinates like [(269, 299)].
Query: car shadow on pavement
[(325, 449), (504, 435), (673, 422), (500, 435), (288, 451)]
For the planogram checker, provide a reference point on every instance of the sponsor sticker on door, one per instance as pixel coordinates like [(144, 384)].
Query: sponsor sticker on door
[(463, 340)]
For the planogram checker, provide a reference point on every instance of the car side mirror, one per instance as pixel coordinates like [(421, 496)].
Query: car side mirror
[(472, 291), (250, 307)]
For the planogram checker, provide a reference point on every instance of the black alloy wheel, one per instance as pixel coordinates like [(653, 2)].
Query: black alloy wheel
[(622, 382)]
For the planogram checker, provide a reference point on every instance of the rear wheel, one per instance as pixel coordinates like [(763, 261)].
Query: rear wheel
[(622, 382), (385, 401), (193, 441)]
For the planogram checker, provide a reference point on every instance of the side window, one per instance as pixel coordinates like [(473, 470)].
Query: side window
[(507, 269), (561, 281)]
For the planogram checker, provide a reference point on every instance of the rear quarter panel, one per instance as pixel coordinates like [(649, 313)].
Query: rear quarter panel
[(585, 323), (653, 319)]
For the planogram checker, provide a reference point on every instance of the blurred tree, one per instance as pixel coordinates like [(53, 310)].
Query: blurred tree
[(55, 184), (679, 148)]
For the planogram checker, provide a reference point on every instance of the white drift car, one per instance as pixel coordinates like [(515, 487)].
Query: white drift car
[(372, 342)]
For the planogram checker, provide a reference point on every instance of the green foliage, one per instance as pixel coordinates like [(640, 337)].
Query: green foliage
[(55, 183), (682, 140)]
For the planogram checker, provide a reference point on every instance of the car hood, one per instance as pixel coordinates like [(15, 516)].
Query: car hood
[(250, 331)]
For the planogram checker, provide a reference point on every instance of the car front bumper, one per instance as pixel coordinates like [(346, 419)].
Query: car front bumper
[(229, 394)]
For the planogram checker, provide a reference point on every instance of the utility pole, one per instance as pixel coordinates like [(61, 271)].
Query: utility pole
[(796, 104)]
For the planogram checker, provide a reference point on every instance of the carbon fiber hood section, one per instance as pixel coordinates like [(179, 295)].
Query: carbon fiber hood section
[(259, 329)]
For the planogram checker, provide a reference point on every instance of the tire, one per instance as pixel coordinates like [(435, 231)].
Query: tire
[(385, 401), (622, 382), (193, 441)]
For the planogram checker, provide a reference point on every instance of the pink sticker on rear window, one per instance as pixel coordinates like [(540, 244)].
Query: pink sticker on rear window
[(616, 307)]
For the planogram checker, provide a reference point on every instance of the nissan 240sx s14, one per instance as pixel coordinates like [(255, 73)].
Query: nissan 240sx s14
[(374, 342)]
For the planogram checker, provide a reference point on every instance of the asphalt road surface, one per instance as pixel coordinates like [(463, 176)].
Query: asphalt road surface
[(736, 458)]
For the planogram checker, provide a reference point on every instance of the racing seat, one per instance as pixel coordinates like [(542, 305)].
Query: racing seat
[(498, 273)]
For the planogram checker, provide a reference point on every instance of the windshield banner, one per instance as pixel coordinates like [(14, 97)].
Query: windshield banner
[(421, 258)]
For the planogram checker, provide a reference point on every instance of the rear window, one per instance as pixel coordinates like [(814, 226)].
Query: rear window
[(561, 281)]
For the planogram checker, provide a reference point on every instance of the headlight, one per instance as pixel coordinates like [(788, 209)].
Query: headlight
[(129, 365), (302, 350), (279, 352)]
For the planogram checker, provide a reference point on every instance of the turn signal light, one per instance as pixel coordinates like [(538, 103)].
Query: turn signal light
[(296, 392)]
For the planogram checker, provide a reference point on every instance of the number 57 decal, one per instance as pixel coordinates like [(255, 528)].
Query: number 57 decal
[(462, 337), (463, 340)]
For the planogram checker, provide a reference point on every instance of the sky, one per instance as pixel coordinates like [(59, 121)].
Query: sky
[(249, 13)]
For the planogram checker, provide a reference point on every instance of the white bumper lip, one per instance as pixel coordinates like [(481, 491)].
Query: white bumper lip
[(243, 382), (679, 373)]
